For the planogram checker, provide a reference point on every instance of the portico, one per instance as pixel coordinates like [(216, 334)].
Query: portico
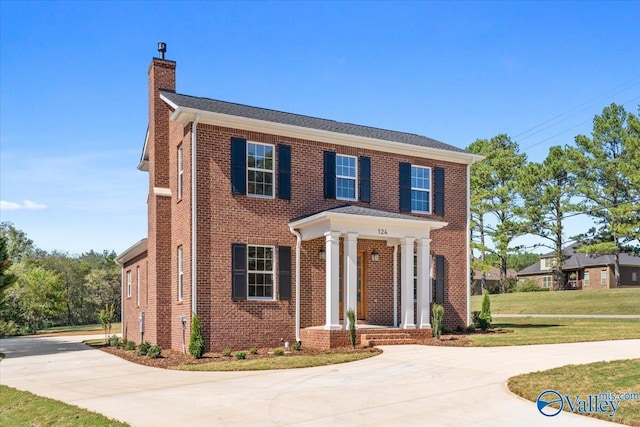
[(407, 234)]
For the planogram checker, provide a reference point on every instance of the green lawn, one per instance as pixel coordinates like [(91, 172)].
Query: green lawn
[(21, 408), (89, 329), (602, 301), (559, 330), (618, 376)]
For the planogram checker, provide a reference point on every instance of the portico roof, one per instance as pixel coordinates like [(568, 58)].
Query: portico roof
[(367, 223)]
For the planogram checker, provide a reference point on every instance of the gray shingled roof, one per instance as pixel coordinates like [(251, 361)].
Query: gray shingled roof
[(357, 210), (232, 109), (575, 260)]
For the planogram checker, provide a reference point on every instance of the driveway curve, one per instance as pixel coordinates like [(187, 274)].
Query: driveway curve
[(406, 385)]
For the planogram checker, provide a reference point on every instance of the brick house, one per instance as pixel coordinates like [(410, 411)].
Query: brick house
[(270, 225), (582, 271)]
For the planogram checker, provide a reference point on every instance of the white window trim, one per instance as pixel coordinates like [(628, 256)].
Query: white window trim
[(604, 280), (138, 286), (180, 172), (273, 274), (550, 280), (128, 283), (272, 170), (353, 178), (180, 273), (423, 190), (547, 263), (634, 276), (587, 279)]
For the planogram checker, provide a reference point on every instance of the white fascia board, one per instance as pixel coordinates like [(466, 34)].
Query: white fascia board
[(132, 252), (144, 159), (185, 115)]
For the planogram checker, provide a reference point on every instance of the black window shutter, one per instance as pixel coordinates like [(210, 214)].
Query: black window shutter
[(440, 275), (238, 166), (438, 191), (365, 179), (284, 172), (238, 271), (284, 272), (329, 175), (405, 187)]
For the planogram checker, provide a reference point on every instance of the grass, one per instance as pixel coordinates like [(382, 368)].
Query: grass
[(92, 329), (600, 301), (283, 362), (618, 376), (557, 330), (21, 408)]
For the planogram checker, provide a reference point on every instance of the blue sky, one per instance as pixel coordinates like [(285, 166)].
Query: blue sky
[(73, 84)]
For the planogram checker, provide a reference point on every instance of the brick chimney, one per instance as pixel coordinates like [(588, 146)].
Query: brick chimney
[(162, 76)]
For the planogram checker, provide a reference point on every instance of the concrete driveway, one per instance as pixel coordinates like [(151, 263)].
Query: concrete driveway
[(406, 385)]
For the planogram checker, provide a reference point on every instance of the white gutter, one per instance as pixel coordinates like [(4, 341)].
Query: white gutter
[(468, 245), (298, 246), (395, 286), (194, 219)]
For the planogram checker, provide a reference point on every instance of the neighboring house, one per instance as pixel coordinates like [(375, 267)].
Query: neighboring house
[(281, 222), (582, 271), (492, 280)]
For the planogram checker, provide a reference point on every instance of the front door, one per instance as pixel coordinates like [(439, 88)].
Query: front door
[(362, 291)]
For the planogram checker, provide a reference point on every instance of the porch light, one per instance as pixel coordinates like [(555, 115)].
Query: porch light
[(322, 254), (374, 256)]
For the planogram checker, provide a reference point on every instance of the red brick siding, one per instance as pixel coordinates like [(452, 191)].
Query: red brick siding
[(130, 309)]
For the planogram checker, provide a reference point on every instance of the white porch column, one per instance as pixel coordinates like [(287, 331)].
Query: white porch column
[(350, 275), (332, 275), (424, 284), (406, 283)]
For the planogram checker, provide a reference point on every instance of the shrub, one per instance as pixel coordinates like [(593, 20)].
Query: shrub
[(459, 329), (351, 316), (8, 329), (253, 350), (297, 345), (530, 286), (485, 313), (226, 352), (447, 330), (471, 329), (130, 345), (278, 352), (154, 352), (114, 341), (143, 348), (475, 317), (196, 340), (437, 314), (241, 355)]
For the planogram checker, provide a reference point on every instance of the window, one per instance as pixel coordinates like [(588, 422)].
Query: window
[(603, 277), (547, 282), (129, 284), (546, 263), (420, 189), (260, 270), (346, 173), (259, 169), (138, 286), (634, 276), (180, 172), (587, 279), (180, 275)]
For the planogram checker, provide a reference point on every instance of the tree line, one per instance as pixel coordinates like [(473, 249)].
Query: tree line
[(40, 289), (598, 176)]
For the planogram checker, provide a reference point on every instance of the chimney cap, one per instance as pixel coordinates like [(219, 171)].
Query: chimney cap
[(162, 48)]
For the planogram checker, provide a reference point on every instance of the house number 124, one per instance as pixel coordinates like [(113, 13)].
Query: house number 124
[(382, 231)]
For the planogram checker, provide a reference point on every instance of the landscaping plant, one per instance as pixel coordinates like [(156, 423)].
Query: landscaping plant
[(143, 348), (253, 350), (226, 352), (106, 316), (196, 340), (485, 313), (241, 355), (437, 314), (154, 352), (351, 316)]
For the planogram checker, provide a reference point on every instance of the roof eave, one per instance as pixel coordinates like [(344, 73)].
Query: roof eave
[(136, 249)]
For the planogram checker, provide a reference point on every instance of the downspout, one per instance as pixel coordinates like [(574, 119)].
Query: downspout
[(298, 246), (395, 286), (194, 219), (468, 244), (122, 325)]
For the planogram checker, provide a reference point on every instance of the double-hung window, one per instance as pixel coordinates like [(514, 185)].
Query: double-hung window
[(180, 172), (260, 169), (180, 274), (346, 177), (260, 272), (420, 189), (587, 278), (129, 284), (603, 277), (547, 282)]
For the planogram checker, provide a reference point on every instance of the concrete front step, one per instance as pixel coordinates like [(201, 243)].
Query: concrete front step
[(388, 338)]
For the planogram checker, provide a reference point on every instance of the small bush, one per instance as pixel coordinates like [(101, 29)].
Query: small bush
[(437, 314), (278, 352), (143, 348), (196, 339), (351, 316), (459, 329), (485, 313), (475, 317), (8, 329), (154, 352), (253, 350), (226, 352), (447, 330), (297, 345), (114, 341), (530, 286), (241, 355), (130, 345)]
